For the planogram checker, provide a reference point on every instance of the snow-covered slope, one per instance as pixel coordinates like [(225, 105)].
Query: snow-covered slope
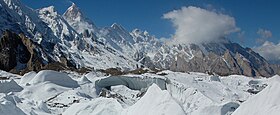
[(264, 103), (99, 106), (79, 43), (22, 19), (57, 24), (78, 20), (118, 38), (54, 77)]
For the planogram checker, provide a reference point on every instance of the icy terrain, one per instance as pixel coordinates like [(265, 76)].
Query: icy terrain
[(69, 93)]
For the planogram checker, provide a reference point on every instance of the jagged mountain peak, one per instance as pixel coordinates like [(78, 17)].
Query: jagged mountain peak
[(25, 20), (73, 12), (75, 17), (142, 36), (49, 10), (139, 32), (117, 27), (16, 6), (57, 24), (136, 30), (12, 2), (74, 5)]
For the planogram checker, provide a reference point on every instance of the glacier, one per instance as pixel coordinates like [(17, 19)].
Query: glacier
[(188, 93)]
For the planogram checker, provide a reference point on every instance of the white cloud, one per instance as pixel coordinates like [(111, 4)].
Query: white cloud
[(269, 50), (264, 35), (196, 25)]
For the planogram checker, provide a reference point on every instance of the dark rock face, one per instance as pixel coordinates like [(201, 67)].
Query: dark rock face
[(12, 51), (19, 54)]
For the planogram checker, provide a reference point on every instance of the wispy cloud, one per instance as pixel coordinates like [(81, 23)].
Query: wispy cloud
[(264, 35), (197, 25), (269, 50)]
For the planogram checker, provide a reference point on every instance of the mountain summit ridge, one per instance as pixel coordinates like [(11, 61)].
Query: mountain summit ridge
[(74, 16)]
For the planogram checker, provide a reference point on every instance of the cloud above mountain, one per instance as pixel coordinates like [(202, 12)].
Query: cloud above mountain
[(197, 25), (270, 51), (264, 35)]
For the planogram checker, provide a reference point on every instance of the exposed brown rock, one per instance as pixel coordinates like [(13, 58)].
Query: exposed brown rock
[(12, 51), (19, 54)]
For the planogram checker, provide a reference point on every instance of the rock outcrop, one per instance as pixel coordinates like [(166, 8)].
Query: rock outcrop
[(19, 54), (13, 52)]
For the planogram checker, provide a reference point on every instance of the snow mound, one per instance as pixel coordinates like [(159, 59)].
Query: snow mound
[(99, 106), (26, 78), (4, 74), (264, 103), (57, 78), (7, 86), (155, 102), (42, 91)]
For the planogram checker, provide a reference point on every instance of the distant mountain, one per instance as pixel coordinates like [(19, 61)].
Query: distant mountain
[(73, 41), (223, 58), (78, 20)]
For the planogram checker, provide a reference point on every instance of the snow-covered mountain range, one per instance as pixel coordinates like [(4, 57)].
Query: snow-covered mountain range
[(74, 41)]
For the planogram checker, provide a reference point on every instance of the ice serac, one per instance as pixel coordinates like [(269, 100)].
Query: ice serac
[(134, 83), (78, 20), (155, 102)]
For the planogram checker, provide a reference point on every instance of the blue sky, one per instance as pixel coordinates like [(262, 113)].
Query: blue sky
[(250, 15)]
